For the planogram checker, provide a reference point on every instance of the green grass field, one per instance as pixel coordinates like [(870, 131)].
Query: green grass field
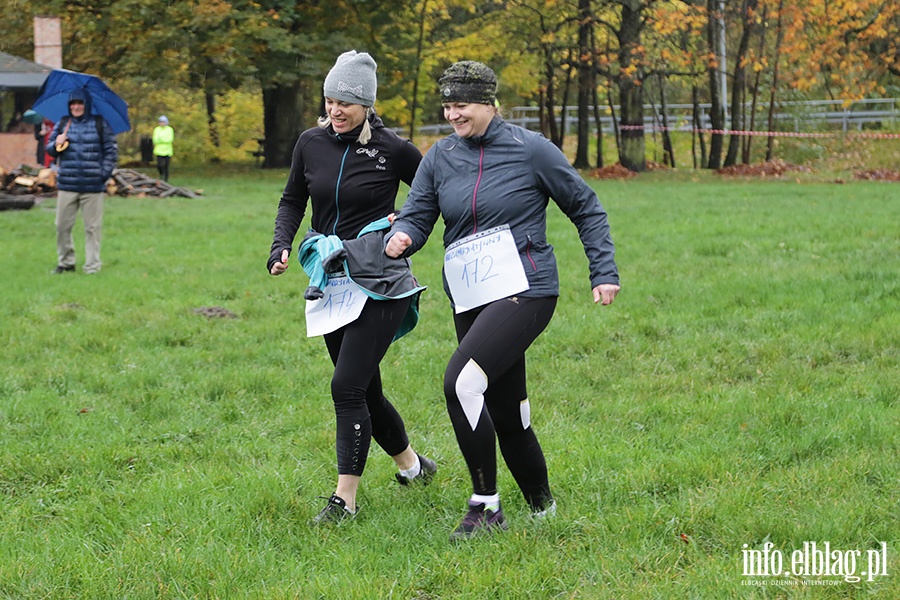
[(742, 391)]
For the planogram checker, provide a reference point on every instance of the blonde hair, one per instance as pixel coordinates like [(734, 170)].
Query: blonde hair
[(364, 136)]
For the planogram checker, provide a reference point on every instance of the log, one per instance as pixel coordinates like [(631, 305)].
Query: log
[(17, 202), (131, 182)]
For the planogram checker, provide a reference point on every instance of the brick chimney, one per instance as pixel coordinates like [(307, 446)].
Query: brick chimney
[(48, 42)]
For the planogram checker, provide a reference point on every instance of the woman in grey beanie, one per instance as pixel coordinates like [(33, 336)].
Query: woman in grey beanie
[(350, 168), (491, 181), (350, 89)]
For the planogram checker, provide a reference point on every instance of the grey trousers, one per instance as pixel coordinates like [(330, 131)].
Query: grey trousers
[(67, 204)]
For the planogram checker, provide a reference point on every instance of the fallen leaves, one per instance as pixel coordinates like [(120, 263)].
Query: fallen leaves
[(878, 175), (771, 168)]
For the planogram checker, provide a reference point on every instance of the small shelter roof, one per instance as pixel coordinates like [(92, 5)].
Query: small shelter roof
[(18, 74)]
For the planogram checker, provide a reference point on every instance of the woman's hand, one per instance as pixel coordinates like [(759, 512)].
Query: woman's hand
[(280, 267), (397, 245), (605, 293)]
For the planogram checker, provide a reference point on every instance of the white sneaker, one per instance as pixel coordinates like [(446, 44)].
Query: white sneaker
[(545, 513)]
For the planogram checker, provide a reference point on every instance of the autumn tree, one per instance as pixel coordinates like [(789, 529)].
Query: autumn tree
[(626, 24), (586, 81), (717, 101), (844, 47), (198, 44), (749, 26), (544, 34), (677, 52)]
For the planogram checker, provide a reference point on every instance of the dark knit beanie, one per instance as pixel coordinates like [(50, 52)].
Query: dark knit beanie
[(469, 81), (352, 79)]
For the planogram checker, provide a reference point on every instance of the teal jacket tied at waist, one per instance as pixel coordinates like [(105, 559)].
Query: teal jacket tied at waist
[(365, 263)]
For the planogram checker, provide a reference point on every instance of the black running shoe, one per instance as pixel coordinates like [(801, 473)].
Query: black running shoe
[(61, 269), (428, 469), (334, 512), (479, 520)]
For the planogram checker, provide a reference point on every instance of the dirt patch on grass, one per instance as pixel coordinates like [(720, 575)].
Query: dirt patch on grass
[(215, 312)]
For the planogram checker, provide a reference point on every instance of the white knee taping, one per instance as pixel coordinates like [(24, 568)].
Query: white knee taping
[(470, 387)]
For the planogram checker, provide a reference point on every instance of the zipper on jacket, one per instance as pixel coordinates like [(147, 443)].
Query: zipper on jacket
[(475, 193), (528, 252), (337, 190)]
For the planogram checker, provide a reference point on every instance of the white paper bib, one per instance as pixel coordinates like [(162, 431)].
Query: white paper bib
[(342, 304), (483, 267)]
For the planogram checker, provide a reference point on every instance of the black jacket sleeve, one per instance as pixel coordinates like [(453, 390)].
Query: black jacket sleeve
[(291, 208)]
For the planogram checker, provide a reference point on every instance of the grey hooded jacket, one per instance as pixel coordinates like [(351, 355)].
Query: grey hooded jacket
[(507, 176)]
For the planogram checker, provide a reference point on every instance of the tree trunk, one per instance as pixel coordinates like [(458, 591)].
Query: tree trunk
[(287, 110), (595, 100), (632, 154), (211, 122), (551, 93), (697, 135), (542, 113), (657, 126), (563, 113), (748, 143), (669, 157), (599, 123), (585, 81), (415, 93), (617, 132), (717, 106), (779, 37), (739, 83)]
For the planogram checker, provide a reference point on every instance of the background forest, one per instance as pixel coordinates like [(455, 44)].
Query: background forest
[(231, 72)]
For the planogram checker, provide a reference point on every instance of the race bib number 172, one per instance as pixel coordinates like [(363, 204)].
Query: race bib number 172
[(484, 267)]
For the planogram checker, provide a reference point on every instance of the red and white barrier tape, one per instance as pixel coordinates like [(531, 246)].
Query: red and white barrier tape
[(877, 136)]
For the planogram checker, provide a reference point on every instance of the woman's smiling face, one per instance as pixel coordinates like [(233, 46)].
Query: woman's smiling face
[(344, 116), (468, 118)]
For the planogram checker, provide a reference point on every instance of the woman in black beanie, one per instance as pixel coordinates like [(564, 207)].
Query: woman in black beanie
[(350, 168), (491, 182)]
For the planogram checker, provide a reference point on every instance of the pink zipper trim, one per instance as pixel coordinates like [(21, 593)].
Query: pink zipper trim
[(475, 193)]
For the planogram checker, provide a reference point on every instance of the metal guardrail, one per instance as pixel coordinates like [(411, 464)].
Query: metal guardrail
[(884, 113)]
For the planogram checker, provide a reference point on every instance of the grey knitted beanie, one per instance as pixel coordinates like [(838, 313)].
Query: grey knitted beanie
[(352, 79), (468, 81)]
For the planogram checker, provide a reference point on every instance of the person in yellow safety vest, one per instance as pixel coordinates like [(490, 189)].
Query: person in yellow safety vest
[(163, 136)]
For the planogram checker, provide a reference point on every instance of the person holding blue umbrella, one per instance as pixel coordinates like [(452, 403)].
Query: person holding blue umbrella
[(87, 153)]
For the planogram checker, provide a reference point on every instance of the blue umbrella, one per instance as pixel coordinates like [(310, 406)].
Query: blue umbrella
[(53, 98)]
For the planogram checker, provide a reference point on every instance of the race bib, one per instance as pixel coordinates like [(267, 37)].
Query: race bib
[(342, 304), (483, 267)]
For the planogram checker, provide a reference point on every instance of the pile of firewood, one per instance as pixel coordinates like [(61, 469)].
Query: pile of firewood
[(128, 182), (20, 188), (27, 180)]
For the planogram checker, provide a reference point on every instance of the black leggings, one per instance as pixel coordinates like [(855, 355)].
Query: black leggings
[(487, 396), (162, 165), (362, 411)]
